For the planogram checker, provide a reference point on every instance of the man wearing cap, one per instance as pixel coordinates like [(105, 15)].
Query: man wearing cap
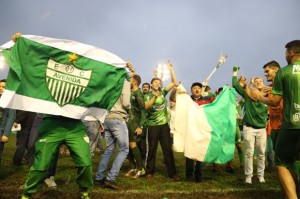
[(197, 96)]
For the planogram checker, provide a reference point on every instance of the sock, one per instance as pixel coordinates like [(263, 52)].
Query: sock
[(130, 157), (241, 154), (137, 156)]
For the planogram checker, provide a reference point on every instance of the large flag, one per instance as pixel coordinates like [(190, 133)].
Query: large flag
[(61, 77), (205, 133)]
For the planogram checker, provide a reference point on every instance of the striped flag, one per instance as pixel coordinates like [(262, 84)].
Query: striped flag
[(61, 77), (205, 133)]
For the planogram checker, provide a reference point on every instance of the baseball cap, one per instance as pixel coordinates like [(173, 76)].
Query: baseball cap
[(196, 84)]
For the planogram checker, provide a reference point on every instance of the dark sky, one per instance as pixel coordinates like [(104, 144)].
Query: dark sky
[(189, 33)]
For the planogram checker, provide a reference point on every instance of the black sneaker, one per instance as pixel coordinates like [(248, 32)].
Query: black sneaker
[(149, 175), (175, 178), (198, 178), (229, 169), (189, 179), (100, 182), (112, 184)]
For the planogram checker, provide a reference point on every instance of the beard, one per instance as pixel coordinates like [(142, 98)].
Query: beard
[(288, 59)]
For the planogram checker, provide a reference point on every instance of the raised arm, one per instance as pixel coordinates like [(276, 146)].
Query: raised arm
[(126, 95), (173, 76), (240, 84), (174, 91)]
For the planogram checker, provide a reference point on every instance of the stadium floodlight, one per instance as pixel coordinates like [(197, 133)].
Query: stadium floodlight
[(162, 72)]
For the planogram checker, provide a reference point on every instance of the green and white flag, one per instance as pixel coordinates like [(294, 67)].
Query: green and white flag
[(61, 77), (205, 133)]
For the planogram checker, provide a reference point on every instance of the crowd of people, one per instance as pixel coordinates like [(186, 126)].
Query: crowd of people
[(141, 118)]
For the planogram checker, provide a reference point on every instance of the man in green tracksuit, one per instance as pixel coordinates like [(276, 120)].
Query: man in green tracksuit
[(136, 121), (54, 131), (255, 121)]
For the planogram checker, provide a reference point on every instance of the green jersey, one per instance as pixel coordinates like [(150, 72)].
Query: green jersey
[(255, 111), (137, 113), (157, 114), (287, 84)]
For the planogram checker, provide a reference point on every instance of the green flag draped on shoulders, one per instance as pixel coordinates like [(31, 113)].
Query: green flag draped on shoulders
[(62, 77)]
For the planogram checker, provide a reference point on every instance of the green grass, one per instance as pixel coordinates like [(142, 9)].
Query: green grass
[(220, 185)]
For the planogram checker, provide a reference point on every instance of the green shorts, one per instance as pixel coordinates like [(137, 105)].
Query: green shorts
[(274, 136), (287, 146), (133, 137), (55, 131)]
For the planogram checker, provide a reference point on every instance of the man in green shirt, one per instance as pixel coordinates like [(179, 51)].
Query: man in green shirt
[(142, 139), (136, 121), (145, 88), (158, 127), (255, 121), (286, 86)]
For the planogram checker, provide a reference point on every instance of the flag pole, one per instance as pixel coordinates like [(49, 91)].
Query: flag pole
[(222, 60), (212, 72)]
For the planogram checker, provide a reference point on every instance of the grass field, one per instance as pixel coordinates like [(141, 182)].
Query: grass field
[(219, 185)]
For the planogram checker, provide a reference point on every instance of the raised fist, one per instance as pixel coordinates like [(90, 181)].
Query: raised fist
[(235, 68), (16, 36)]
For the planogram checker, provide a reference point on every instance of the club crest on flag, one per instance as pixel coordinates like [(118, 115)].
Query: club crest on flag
[(66, 82)]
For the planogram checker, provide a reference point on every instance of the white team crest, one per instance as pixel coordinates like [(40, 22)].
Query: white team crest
[(65, 82)]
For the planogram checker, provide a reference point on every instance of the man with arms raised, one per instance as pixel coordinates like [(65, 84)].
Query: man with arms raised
[(158, 127)]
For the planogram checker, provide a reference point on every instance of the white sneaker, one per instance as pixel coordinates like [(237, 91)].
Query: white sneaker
[(261, 179), (50, 182), (131, 172), (248, 180)]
